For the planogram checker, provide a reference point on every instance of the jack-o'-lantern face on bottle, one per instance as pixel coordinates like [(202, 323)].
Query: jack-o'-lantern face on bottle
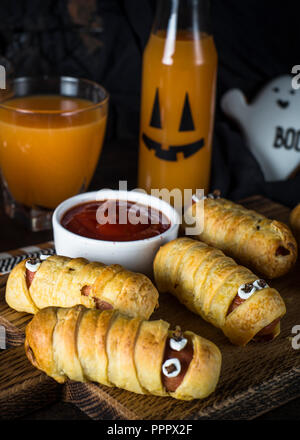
[(177, 109), (185, 124)]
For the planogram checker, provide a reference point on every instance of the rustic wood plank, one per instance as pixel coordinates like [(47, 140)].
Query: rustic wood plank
[(254, 379), (23, 388)]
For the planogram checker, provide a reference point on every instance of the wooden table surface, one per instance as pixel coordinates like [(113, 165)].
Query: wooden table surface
[(118, 162)]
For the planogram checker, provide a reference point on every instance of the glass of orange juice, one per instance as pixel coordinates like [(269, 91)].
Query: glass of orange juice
[(51, 136)]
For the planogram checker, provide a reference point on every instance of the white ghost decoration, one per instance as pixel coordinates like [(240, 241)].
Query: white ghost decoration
[(271, 125)]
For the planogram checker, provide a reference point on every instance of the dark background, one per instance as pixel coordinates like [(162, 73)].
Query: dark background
[(104, 40)]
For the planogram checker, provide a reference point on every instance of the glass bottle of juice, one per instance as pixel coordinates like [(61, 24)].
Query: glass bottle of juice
[(178, 97)]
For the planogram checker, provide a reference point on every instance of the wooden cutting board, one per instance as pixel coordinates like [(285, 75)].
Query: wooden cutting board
[(254, 379)]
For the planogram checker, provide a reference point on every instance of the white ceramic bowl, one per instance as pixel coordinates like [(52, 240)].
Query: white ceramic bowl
[(135, 255)]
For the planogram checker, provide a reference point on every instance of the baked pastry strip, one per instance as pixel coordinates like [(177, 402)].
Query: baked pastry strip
[(115, 350), (295, 222), (208, 283), (65, 282), (267, 246)]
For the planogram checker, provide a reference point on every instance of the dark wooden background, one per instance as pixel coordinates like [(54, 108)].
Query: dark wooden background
[(118, 162)]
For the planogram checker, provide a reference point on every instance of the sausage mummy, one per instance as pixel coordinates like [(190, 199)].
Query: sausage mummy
[(65, 282), (225, 294), (265, 245), (115, 350)]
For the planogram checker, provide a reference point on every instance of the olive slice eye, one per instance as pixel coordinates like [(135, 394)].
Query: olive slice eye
[(246, 290)]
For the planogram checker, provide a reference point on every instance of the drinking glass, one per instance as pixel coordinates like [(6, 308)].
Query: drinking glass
[(51, 136)]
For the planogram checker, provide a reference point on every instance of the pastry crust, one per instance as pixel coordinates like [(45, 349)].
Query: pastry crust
[(206, 282), (267, 246), (68, 343), (59, 282), (295, 222)]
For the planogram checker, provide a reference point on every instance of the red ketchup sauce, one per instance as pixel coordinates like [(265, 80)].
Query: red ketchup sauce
[(83, 220)]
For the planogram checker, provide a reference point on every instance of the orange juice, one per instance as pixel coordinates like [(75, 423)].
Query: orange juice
[(177, 110), (49, 147)]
